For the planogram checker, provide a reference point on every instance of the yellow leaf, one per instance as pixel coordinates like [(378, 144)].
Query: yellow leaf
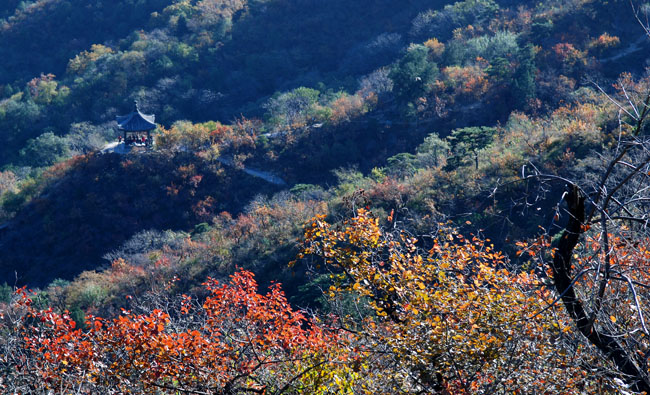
[(611, 317)]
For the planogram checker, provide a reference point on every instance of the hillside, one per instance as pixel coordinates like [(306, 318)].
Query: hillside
[(206, 61), (340, 97), (356, 105), (182, 60), (106, 199), (30, 47), (455, 192)]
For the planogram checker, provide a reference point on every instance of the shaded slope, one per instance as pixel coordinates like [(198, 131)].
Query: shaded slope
[(280, 45), (42, 37), (103, 200)]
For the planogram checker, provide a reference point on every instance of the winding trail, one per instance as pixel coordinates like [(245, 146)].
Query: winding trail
[(632, 48), (264, 175), (122, 149)]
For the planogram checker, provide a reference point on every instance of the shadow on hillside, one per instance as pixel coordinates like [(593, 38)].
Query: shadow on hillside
[(102, 200), (280, 45)]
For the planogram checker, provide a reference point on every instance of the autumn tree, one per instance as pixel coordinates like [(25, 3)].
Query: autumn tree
[(449, 320)]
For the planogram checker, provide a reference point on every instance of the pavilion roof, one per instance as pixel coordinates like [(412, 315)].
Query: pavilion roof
[(136, 121)]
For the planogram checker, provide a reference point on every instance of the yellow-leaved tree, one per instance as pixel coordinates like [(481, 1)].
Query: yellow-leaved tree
[(452, 319)]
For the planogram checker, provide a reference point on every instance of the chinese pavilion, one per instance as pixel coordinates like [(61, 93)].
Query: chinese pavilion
[(137, 127)]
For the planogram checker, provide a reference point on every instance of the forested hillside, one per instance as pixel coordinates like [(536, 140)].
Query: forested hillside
[(440, 197)]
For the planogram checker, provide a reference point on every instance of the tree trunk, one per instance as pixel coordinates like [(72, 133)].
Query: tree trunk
[(563, 282)]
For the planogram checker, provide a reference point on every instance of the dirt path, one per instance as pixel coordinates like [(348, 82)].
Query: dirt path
[(632, 48), (115, 147), (264, 175), (121, 148)]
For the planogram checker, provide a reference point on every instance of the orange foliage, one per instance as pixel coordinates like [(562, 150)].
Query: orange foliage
[(390, 191), (210, 137), (604, 41), (436, 47), (59, 169), (470, 80), (568, 54), (236, 341), (346, 107), (204, 209), (35, 84), (7, 182)]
